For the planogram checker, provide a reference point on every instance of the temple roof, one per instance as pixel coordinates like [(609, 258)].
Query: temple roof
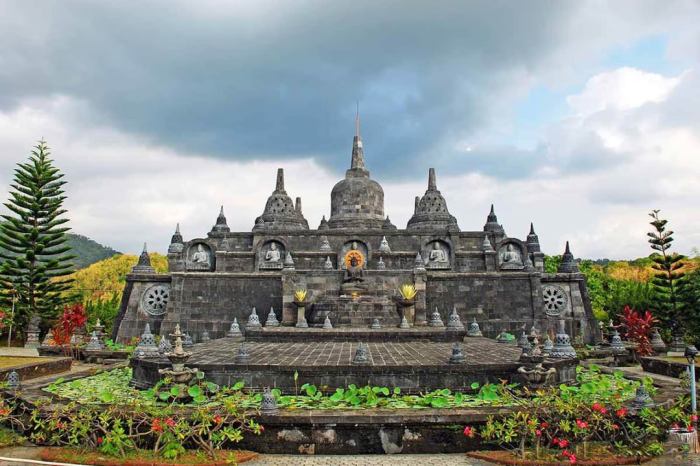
[(431, 209), (280, 212)]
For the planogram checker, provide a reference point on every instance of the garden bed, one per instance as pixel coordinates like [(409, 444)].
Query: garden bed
[(144, 458), (509, 459)]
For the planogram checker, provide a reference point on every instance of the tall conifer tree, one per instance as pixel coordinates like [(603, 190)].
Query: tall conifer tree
[(36, 257)]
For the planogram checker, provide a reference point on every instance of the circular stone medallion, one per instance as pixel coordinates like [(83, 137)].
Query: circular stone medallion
[(357, 255), (155, 299), (555, 299)]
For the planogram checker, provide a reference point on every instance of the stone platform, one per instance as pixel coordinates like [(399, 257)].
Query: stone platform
[(414, 366), (388, 334)]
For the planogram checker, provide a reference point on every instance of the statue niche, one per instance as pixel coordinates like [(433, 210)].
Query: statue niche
[(199, 257), (510, 257), (437, 254), (354, 260), (271, 255)]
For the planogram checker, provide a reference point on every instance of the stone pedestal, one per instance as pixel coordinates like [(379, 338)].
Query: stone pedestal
[(420, 310)]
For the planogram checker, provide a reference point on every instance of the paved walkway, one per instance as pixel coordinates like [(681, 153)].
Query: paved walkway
[(458, 459)]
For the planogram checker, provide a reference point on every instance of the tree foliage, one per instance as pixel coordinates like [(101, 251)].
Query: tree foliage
[(36, 258)]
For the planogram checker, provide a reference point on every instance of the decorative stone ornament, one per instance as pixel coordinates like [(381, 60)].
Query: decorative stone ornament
[(361, 354), (486, 244), (272, 319), (155, 299), (94, 344), (235, 329), (288, 261), (384, 245), (555, 300), (404, 323), (328, 265), (187, 341), (435, 319), (147, 347), (474, 330), (376, 325), (176, 242), (325, 245), (453, 321), (243, 356), (204, 337), (253, 320), (13, 382), (419, 263), (657, 343), (548, 346), (642, 399), (523, 342), (327, 323), (381, 265), (562, 344), (164, 346), (144, 263), (457, 357), (567, 264), (616, 344), (268, 405)]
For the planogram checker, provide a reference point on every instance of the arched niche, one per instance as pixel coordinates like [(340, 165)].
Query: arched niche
[(271, 254), (437, 254), (356, 248), (199, 256), (512, 254)]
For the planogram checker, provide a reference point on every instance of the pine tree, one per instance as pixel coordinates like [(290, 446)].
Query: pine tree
[(668, 279), (36, 258)]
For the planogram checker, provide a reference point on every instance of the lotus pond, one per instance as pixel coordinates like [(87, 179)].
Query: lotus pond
[(112, 387)]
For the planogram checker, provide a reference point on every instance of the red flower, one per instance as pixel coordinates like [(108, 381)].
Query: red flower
[(603, 411), (615, 427), (563, 443), (60, 425), (262, 429), (170, 422), (566, 453), (156, 426), (100, 440), (555, 441), (622, 412), (469, 432), (693, 418), (572, 459), (597, 407), (675, 426), (544, 425), (218, 419), (581, 424), (538, 433)]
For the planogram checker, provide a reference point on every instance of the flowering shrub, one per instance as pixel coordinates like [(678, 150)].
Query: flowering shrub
[(73, 318), (638, 328)]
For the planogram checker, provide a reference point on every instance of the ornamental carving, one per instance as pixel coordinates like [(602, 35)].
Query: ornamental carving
[(155, 299), (555, 299)]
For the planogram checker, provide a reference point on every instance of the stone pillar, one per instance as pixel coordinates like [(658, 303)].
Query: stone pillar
[(538, 261), (490, 259), (289, 286), (175, 262), (420, 278)]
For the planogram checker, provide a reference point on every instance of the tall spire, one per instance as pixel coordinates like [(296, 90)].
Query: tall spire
[(568, 263), (533, 242), (279, 187), (177, 237), (492, 222), (144, 263), (358, 154), (432, 184), (221, 225)]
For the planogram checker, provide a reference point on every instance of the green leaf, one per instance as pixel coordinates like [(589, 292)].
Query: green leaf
[(107, 397), (475, 385), (238, 385), (194, 391)]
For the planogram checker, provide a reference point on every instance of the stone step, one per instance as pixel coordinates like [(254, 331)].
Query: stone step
[(346, 333)]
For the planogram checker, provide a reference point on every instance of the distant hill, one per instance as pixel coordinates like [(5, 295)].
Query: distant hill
[(88, 251)]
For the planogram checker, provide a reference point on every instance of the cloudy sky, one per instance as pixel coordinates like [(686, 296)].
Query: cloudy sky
[(581, 116)]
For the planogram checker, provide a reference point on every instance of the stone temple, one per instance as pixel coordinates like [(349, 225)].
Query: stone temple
[(351, 267)]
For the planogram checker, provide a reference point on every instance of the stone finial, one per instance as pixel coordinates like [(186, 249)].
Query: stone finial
[(268, 405), (253, 320), (387, 225), (358, 156), (457, 357), (562, 344), (242, 357), (288, 261), (524, 343), (416, 205), (94, 344), (297, 205), (419, 263), (376, 325), (474, 330), (272, 319), (432, 183), (144, 263), (492, 224), (235, 329), (486, 244), (404, 323), (384, 245), (453, 320), (381, 265), (146, 347), (328, 265), (13, 381), (568, 263), (533, 241), (361, 354), (324, 224), (221, 225), (435, 319), (164, 346), (327, 322), (204, 337), (279, 184), (325, 244), (187, 342)]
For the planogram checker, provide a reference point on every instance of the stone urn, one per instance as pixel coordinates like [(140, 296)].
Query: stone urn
[(406, 308), (301, 301)]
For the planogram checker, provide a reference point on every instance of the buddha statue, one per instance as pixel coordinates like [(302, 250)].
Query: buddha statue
[(201, 256), (511, 258), (273, 254), (437, 258), (353, 272)]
